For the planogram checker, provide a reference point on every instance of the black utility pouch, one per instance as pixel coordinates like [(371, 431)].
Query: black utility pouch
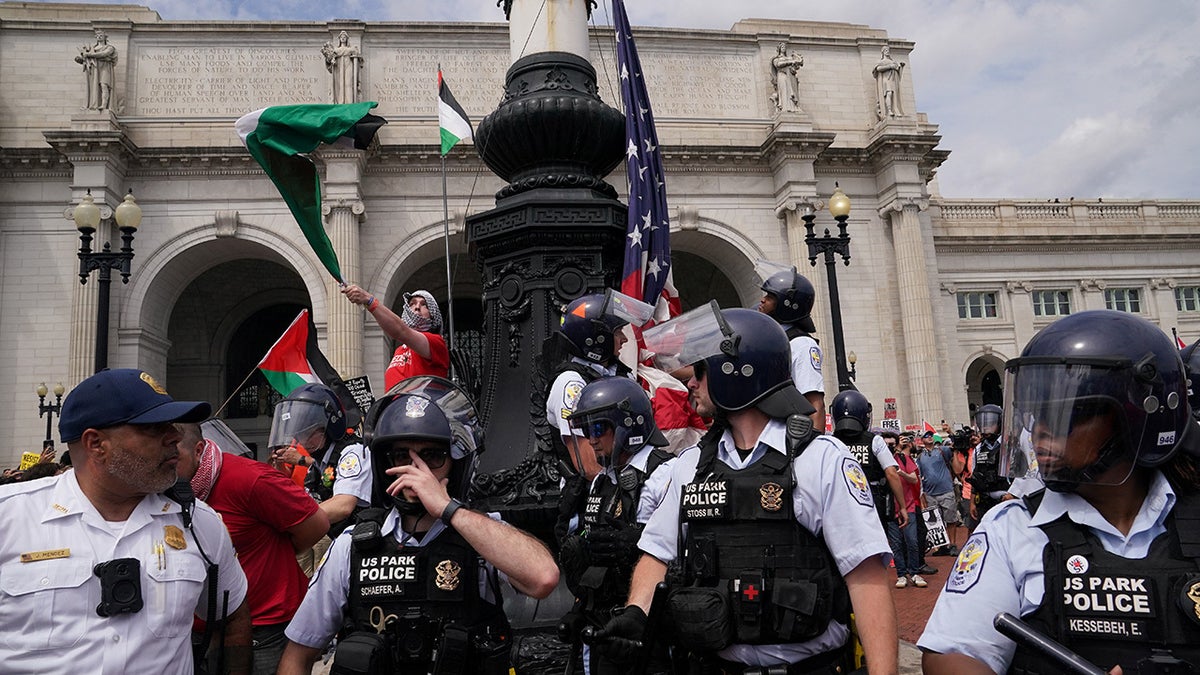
[(794, 608), (701, 618), (362, 653), (749, 598)]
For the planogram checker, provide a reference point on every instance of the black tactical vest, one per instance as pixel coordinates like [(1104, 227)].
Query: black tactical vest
[(793, 332), (780, 581), (985, 476), (1118, 611), (427, 601), (860, 448)]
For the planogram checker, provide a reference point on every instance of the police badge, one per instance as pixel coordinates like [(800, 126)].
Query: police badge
[(770, 496), (1191, 594), (447, 575)]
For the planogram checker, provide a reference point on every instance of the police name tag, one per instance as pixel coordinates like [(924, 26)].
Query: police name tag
[(1115, 607), (386, 574), (705, 501)]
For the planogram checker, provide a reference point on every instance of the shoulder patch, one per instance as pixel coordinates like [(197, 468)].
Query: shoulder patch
[(814, 356), (350, 466), (571, 394), (969, 564), (856, 482)]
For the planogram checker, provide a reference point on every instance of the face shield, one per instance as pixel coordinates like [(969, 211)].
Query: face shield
[(1072, 419), (455, 405), (690, 337), (300, 423), (218, 432), (626, 309), (988, 422)]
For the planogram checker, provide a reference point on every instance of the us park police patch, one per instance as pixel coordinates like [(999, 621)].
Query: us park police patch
[(856, 482), (814, 356), (349, 467), (969, 564)]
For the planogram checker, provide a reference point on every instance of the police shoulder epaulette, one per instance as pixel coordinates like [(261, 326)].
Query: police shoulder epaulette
[(1033, 500)]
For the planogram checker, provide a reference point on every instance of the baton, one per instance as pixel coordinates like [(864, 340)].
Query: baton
[(1021, 633)]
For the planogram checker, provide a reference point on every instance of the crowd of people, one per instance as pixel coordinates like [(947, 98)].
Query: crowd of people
[(769, 546)]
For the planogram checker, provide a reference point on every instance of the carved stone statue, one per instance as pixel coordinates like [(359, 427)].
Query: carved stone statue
[(784, 69), (99, 63), (344, 62), (887, 85)]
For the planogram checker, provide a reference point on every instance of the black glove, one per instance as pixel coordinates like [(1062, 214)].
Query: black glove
[(621, 639), (572, 623), (614, 546), (570, 503)]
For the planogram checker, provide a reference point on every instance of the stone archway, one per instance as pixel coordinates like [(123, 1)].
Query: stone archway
[(984, 379)]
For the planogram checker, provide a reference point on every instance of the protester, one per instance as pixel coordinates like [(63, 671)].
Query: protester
[(108, 532), (421, 579), (937, 484), (1104, 560), (270, 519), (769, 500), (422, 349), (904, 538)]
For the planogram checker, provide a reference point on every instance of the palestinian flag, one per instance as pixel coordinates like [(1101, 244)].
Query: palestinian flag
[(279, 138), (454, 123), (295, 360)]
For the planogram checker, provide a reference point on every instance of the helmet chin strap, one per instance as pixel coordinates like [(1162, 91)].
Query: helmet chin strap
[(1112, 452)]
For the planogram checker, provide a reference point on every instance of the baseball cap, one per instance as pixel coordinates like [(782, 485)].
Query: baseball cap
[(927, 434), (123, 396)]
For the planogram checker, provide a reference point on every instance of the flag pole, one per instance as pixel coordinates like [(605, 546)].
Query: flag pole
[(217, 412), (446, 228)]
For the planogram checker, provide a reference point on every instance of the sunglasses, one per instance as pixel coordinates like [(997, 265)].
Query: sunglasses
[(596, 429), (434, 459)]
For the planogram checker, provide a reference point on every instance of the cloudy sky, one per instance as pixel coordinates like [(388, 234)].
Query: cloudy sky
[(1034, 98)]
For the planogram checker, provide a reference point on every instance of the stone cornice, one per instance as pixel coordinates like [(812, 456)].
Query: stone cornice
[(1032, 243), (33, 163), (113, 147)]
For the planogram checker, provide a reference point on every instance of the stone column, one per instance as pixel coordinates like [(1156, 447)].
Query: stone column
[(537, 26), (916, 310), (1021, 307), (345, 328), (344, 211), (1162, 290)]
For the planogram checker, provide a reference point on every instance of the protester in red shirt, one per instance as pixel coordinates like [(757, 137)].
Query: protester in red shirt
[(422, 349), (269, 519), (904, 539)]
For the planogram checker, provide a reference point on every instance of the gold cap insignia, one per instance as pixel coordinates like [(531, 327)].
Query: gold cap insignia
[(771, 496), (158, 388), (447, 575)]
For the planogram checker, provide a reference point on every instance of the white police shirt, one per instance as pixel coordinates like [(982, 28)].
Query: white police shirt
[(883, 453), (806, 364), (832, 499), (52, 539), (564, 394), (999, 568), (353, 474), (321, 613)]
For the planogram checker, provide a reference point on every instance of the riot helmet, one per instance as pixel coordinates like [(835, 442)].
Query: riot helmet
[(425, 408), (1092, 392), (794, 296), (621, 405), (744, 355), (851, 412), (589, 322), (309, 409), (1191, 366), (988, 419)]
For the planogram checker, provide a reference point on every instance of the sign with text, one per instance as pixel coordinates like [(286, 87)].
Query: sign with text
[(28, 459), (935, 528), (892, 424), (889, 408), (360, 388)]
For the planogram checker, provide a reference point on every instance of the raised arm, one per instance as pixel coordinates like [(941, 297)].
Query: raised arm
[(393, 326), (525, 560)]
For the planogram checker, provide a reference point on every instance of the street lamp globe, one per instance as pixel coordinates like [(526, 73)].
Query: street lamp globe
[(839, 203), (86, 214), (129, 214)]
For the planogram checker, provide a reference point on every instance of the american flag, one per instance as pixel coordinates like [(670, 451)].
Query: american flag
[(647, 273)]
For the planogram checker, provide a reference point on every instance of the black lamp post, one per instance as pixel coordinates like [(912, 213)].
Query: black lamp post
[(87, 219), (49, 410), (828, 245)]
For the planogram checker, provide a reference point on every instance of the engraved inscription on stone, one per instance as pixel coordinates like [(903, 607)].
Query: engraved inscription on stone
[(699, 85), (404, 79), (223, 81)]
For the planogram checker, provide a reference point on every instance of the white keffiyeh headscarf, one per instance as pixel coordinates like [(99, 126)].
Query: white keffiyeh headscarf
[(433, 324)]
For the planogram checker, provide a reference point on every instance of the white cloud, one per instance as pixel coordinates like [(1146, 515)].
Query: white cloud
[(1033, 97)]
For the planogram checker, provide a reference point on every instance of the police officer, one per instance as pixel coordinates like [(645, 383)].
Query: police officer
[(772, 527), (590, 330), (788, 298), (102, 567), (988, 483), (309, 428), (597, 559), (416, 586), (851, 413), (1106, 559)]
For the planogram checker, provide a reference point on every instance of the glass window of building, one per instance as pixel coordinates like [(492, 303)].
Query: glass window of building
[(1187, 298), (1123, 299), (977, 305), (1051, 302)]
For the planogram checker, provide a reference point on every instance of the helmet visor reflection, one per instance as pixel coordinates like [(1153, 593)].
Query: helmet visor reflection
[(296, 422), (690, 337), (1071, 422)]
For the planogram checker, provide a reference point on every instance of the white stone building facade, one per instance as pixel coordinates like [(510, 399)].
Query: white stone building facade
[(220, 266)]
